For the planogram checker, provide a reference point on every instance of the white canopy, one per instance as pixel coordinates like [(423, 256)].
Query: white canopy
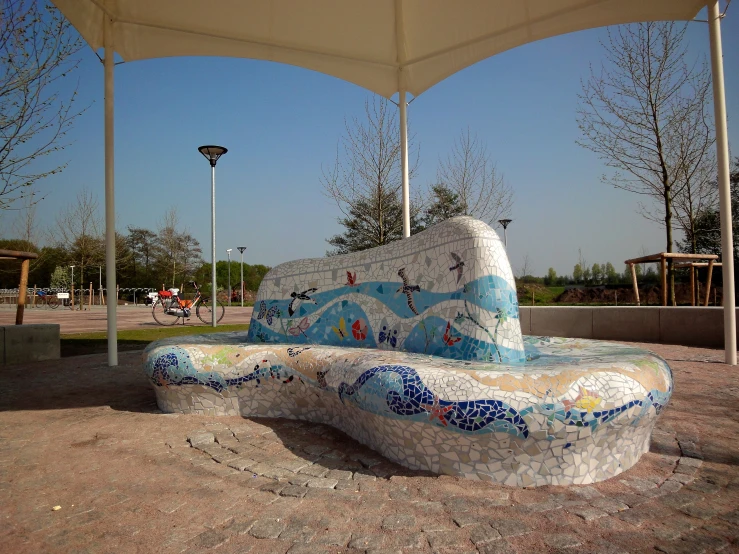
[(365, 42), (386, 46)]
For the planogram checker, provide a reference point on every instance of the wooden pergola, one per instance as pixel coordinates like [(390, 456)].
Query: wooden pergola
[(689, 260), (25, 258), (694, 266)]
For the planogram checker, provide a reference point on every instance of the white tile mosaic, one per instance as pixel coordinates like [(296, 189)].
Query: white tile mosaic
[(575, 412)]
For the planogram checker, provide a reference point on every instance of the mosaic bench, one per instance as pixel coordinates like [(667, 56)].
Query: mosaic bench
[(415, 350)]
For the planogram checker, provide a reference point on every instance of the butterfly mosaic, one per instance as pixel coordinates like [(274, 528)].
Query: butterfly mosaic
[(266, 314), (388, 337)]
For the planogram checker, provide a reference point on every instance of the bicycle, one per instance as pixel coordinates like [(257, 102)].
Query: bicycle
[(49, 300), (169, 308)]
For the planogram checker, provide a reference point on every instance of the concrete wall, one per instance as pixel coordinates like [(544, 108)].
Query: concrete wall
[(672, 325), (29, 343)]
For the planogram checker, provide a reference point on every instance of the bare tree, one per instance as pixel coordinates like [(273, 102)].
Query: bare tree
[(365, 180), (697, 191), (37, 50), (169, 242), (78, 230), (192, 255), (634, 114), (526, 267), (24, 224), (582, 261), (179, 253), (469, 172), (643, 252)]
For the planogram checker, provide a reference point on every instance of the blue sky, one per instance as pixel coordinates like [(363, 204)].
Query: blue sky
[(282, 123)]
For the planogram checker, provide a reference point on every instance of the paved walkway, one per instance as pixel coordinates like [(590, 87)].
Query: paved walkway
[(94, 319), (89, 439)]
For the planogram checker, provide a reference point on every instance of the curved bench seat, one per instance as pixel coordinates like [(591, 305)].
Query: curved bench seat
[(577, 411)]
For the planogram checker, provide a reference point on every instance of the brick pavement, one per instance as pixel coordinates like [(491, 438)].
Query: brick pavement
[(76, 434), (95, 319)]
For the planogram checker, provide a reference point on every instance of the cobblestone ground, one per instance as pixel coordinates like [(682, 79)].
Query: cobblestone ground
[(127, 478)]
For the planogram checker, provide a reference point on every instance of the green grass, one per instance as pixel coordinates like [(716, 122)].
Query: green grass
[(134, 339)]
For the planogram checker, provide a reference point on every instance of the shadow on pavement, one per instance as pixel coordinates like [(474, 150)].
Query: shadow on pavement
[(330, 449), (79, 382), (82, 347)]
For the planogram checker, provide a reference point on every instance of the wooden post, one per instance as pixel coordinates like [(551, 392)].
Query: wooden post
[(89, 300), (708, 282), (692, 285), (22, 292), (636, 287), (663, 268), (698, 289)]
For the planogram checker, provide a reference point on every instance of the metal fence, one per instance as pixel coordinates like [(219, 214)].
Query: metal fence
[(9, 297)]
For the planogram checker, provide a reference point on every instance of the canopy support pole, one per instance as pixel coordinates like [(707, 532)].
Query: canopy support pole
[(403, 105), (110, 269), (722, 156)]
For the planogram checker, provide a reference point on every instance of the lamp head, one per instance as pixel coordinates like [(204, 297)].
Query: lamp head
[(212, 153), (241, 248), (505, 222)]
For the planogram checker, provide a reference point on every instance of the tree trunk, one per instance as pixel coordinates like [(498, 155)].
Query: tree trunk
[(668, 230), (82, 286)]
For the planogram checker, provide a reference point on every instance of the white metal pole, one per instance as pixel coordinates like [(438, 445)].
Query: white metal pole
[(505, 238), (241, 249), (108, 66), (722, 156), (229, 275), (404, 163), (213, 241)]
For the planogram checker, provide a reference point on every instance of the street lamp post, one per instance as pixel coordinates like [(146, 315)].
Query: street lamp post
[(212, 153), (241, 249), (505, 223), (228, 251)]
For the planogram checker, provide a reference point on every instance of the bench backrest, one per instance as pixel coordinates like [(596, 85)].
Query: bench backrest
[(448, 291)]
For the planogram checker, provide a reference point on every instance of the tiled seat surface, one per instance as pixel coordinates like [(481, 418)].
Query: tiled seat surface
[(429, 370)]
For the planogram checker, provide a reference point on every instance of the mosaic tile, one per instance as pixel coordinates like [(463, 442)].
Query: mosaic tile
[(440, 380)]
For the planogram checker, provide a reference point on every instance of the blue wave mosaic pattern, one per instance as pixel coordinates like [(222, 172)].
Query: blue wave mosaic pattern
[(428, 334), (395, 390), (415, 350), (456, 289)]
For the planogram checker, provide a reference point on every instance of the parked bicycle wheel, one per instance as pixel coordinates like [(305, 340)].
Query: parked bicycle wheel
[(205, 315), (159, 311), (53, 302)]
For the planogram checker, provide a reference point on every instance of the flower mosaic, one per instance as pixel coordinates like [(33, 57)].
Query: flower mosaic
[(430, 370)]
